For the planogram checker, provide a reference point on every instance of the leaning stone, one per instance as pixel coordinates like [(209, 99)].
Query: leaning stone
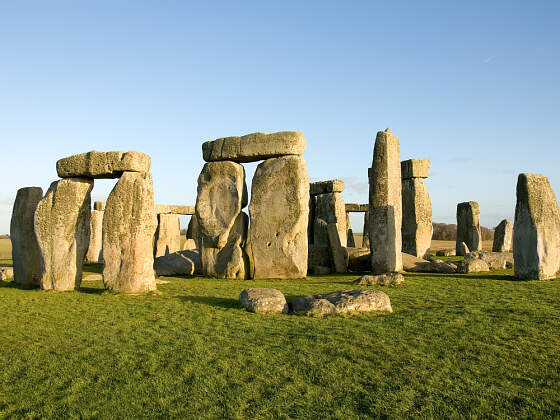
[(385, 205), (388, 279), (168, 235), (330, 208), (102, 164), (358, 300), (99, 205), (338, 253), (129, 225), (417, 226), (26, 254), (263, 300), (180, 263), (445, 253), (415, 168), (171, 209), (94, 253), (326, 187), (62, 226), (503, 237), (277, 241), (254, 147), (468, 226)]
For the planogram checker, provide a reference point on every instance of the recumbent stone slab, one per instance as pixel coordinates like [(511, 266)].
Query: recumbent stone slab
[(102, 164)]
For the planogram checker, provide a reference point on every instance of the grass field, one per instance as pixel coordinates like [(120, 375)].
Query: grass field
[(455, 347)]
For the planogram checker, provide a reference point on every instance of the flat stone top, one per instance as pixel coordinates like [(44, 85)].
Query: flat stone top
[(325, 187), (254, 147), (415, 168), (96, 164), (171, 209), (356, 208)]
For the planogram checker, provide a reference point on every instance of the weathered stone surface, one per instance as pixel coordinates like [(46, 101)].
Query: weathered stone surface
[(189, 245), (180, 263), (536, 233), (320, 237), (495, 260), (415, 168), (102, 164), (462, 249), (168, 235), (388, 279), (254, 147), (129, 225), (385, 205), (330, 208), (99, 205), (319, 256), (193, 232), (356, 208), (172, 209), (26, 254), (446, 253), (94, 253), (62, 227), (474, 266), (263, 300), (339, 255), (277, 242), (468, 227), (358, 300), (6, 273), (359, 259), (326, 187), (311, 221), (417, 223), (365, 232), (503, 237), (311, 306)]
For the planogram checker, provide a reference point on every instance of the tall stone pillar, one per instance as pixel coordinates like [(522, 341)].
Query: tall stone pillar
[(350, 242), (468, 227), (385, 205), (94, 253), (503, 237), (330, 208), (365, 234), (168, 235)]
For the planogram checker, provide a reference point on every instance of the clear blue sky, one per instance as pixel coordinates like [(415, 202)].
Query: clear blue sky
[(474, 86)]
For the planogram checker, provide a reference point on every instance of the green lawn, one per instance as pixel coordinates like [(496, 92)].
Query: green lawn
[(455, 347)]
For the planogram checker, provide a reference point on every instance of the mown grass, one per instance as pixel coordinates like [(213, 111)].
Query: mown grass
[(455, 347)]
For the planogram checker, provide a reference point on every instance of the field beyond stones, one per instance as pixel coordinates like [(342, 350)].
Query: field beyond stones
[(456, 346)]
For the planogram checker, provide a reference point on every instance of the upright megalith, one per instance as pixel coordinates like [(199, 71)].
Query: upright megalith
[(62, 227), (468, 227), (26, 254), (279, 210), (330, 208), (385, 204), (168, 235), (417, 223), (536, 231), (365, 231), (129, 225), (94, 253), (503, 237), (222, 227)]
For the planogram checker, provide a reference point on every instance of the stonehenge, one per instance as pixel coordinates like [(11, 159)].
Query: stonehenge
[(102, 164), (503, 237), (468, 227), (168, 235), (330, 208), (94, 253)]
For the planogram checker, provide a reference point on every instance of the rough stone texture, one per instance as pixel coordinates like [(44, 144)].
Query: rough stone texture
[(462, 249), (474, 266), (446, 253), (358, 300), (330, 208), (129, 225), (385, 205), (279, 210), (311, 306), (193, 232), (359, 259), (423, 266), (6, 273), (415, 168), (99, 205), (468, 227), (417, 226), (102, 164), (62, 227), (311, 220), (495, 260), (388, 279), (181, 263), (189, 245), (536, 233), (503, 237), (263, 300), (320, 237), (168, 235), (26, 254), (254, 147), (338, 253), (319, 256), (94, 253), (326, 187), (172, 209), (356, 208), (365, 232)]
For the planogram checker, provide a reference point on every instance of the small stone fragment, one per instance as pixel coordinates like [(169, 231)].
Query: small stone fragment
[(263, 300), (388, 279)]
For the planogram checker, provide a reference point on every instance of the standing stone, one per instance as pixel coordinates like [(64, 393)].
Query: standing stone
[(385, 205), (503, 237), (365, 232), (417, 223), (168, 235), (339, 255), (94, 253), (129, 225), (222, 193), (62, 226), (26, 254), (350, 242), (536, 233), (279, 210), (99, 205), (330, 208), (311, 220), (468, 226)]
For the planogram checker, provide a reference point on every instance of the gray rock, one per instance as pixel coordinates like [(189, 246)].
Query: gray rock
[(279, 209), (417, 226), (320, 236), (102, 164), (503, 237), (99, 205), (254, 147), (181, 263), (26, 254), (474, 266), (358, 301), (263, 300), (385, 205), (168, 235), (445, 253), (330, 208), (495, 260), (338, 253), (62, 227), (387, 279), (94, 253), (129, 225), (415, 168), (468, 227), (311, 306), (326, 187)]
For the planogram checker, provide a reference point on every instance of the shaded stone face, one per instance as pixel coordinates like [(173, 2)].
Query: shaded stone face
[(415, 168), (468, 227), (62, 227), (417, 227), (536, 233), (102, 164), (95, 250), (330, 208), (365, 230), (254, 147), (99, 205), (129, 225), (26, 254), (279, 211), (326, 187), (168, 235), (356, 208), (503, 237), (338, 253), (385, 205)]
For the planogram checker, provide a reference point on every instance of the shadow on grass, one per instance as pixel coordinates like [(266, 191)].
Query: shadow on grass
[(11, 284), (212, 301), (501, 277), (92, 290)]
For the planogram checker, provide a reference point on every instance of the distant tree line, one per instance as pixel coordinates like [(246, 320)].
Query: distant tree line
[(445, 232)]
